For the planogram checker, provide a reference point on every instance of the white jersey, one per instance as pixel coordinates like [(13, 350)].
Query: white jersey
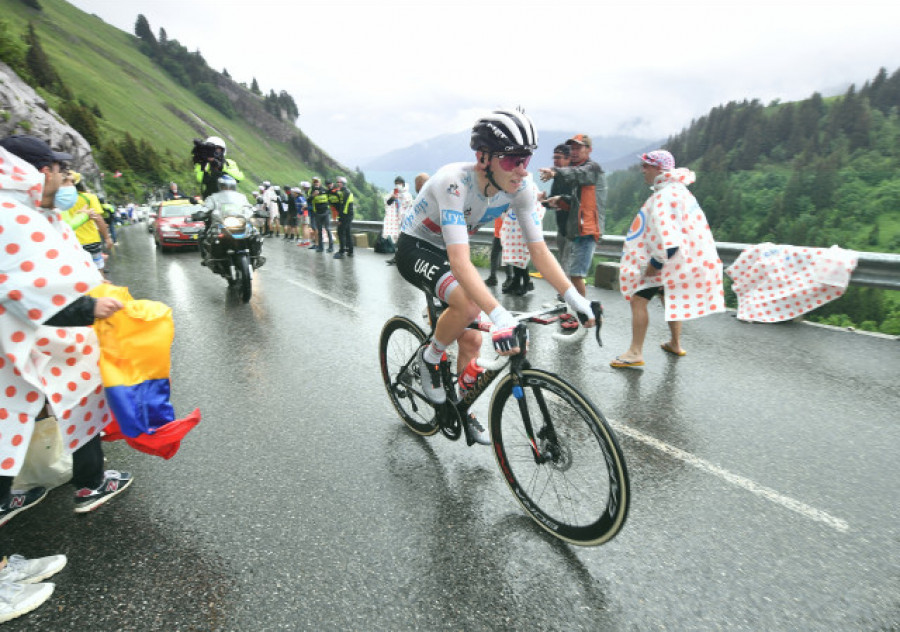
[(450, 207)]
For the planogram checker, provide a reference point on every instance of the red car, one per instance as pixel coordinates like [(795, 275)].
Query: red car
[(173, 227)]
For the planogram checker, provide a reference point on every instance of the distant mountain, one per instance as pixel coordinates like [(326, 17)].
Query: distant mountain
[(612, 152)]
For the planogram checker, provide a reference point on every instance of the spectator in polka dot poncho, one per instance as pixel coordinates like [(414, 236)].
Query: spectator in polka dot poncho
[(48, 351), (668, 250)]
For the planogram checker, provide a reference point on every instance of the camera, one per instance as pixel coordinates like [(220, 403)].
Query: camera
[(204, 153)]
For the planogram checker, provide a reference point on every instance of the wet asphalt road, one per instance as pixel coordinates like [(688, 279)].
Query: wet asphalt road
[(763, 466)]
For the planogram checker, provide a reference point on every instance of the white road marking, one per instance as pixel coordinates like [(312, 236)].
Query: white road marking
[(322, 295), (745, 483)]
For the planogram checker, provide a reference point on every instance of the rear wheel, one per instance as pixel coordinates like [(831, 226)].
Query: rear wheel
[(245, 281), (400, 339), (577, 488)]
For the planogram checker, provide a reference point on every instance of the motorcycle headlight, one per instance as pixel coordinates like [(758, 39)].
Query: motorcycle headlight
[(235, 224)]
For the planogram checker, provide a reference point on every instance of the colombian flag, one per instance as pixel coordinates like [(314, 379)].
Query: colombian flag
[(134, 365)]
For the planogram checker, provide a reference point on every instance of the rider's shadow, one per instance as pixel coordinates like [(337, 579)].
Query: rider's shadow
[(473, 557)]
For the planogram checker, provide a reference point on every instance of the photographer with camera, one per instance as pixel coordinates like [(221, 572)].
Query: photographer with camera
[(210, 164)]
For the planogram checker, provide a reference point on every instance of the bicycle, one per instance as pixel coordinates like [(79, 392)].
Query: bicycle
[(555, 449)]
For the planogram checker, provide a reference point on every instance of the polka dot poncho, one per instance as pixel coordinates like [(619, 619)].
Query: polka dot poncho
[(43, 269), (672, 218)]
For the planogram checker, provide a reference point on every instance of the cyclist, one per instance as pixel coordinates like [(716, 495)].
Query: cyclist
[(433, 248)]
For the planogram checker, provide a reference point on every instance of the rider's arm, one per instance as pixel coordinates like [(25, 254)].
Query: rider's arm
[(468, 277), (550, 269)]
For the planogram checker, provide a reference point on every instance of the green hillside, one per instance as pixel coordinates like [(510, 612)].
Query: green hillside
[(105, 71)]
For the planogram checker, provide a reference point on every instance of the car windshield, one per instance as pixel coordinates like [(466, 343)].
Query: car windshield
[(182, 210)]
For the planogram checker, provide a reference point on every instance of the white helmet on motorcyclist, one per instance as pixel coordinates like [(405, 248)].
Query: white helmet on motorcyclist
[(342, 179), (227, 183), (304, 184), (218, 142)]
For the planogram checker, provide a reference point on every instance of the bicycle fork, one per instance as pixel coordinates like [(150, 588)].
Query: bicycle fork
[(546, 434)]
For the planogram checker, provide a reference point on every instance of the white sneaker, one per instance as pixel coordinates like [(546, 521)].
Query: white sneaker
[(23, 571), (19, 599)]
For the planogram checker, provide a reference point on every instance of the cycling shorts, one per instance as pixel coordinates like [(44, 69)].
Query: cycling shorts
[(425, 266)]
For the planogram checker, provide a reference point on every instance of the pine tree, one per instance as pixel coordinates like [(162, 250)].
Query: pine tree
[(254, 88), (39, 64), (143, 31)]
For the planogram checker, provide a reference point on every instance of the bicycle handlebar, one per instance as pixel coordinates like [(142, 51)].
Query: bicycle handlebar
[(550, 310)]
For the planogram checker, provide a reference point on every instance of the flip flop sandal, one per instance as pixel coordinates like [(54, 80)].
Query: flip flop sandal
[(618, 363), (665, 347)]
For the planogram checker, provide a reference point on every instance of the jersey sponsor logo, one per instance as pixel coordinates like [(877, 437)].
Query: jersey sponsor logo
[(453, 190), (493, 213), (452, 218), (425, 269)]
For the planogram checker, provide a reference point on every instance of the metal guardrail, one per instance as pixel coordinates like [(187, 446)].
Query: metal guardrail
[(873, 269)]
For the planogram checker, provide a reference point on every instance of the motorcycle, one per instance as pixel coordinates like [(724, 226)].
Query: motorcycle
[(230, 246)]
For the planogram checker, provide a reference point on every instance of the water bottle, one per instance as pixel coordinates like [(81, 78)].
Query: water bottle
[(468, 378)]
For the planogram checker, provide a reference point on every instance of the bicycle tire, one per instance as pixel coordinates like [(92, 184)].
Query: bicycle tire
[(400, 338), (581, 495)]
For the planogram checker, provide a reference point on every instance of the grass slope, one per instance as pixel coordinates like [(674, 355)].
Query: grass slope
[(102, 64)]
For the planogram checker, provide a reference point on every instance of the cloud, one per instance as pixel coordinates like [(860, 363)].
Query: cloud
[(369, 78)]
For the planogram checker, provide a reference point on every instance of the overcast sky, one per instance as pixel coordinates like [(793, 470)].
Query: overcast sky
[(369, 77)]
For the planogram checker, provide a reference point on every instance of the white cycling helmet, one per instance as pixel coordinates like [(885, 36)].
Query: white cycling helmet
[(305, 184)]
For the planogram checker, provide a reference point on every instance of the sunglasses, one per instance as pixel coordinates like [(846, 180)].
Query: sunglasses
[(508, 162)]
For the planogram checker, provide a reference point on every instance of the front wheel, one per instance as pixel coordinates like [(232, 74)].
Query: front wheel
[(245, 280), (400, 339), (577, 487)]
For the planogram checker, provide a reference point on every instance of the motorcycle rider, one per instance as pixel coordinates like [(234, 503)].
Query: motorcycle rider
[(226, 202), (210, 163)]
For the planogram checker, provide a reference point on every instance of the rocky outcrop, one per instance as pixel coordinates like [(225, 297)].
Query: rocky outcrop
[(23, 111)]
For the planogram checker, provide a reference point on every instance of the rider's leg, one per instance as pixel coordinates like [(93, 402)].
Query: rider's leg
[(452, 325)]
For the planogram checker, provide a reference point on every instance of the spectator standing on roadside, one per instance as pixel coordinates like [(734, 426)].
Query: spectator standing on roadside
[(318, 199), (270, 207), (496, 252), (303, 212), (394, 208), (290, 219), (109, 214), (560, 200), (345, 218), (50, 352), (587, 210), (86, 219), (669, 250)]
